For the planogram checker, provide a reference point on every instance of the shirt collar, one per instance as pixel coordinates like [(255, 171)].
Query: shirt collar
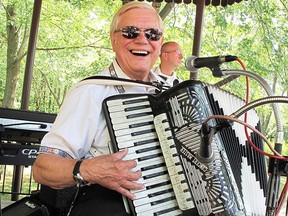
[(120, 73)]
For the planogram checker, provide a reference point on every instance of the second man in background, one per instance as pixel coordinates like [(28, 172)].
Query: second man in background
[(170, 57)]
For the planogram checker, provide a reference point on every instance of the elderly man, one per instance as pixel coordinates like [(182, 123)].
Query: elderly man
[(76, 149)]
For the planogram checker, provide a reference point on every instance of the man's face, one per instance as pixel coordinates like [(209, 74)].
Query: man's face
[(174, 56), (136, 56)]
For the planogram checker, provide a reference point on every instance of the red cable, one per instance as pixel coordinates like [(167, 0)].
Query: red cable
[(285, 188), (246, 117), (282, 197)]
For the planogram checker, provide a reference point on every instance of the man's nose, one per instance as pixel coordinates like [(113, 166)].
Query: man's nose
[(141, 37)]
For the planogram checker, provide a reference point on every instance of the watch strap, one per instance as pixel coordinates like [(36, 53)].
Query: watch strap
[(77, 175), (76, 169)]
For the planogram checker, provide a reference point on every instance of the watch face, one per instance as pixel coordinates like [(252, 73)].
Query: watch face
[(76, 174), (79, 180)]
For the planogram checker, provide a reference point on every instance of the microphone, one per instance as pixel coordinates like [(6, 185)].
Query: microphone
[(193, 62), (205, 152)]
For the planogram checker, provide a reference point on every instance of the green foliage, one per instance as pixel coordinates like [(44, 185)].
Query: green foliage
[(28, 184), (73, 43), (16, 18)]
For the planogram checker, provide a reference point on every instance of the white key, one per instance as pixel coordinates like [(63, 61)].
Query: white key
[(123, 114), (121, 107), (150, 162), (144, 194), (142, 166), (173, 213), (153, 171), (148, 208), (123, 119), (124, 124), (125, 132), (134, 156), (141, 137), (120, 101), (148, 200), (154, 180), (133, 149), (131, 143), (162, 179)]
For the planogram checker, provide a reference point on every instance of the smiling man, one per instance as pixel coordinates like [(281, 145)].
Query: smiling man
[(76, 150), (136, 39)]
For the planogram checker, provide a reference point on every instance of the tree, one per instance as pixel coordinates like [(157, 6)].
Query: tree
[(17, 32), (73, 43)]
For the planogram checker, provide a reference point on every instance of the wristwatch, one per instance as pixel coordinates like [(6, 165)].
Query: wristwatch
[(77, 175)]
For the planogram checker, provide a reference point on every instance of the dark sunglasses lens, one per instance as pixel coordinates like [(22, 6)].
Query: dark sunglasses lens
[(130, 32), (153, 34)]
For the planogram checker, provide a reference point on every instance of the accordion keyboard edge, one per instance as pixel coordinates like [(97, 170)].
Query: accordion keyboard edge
[(162, 134)]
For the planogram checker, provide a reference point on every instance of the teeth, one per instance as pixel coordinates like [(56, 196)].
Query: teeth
[(139, 52)]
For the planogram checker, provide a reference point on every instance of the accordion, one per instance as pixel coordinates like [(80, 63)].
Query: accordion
[(161, 133)]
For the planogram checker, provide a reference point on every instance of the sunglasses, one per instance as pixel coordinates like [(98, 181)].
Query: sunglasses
[(132, 32)]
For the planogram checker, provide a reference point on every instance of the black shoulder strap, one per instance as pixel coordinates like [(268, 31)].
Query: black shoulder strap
[(107, 80)]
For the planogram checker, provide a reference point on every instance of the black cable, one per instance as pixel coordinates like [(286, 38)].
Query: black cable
[(43, 126), (74, 200)]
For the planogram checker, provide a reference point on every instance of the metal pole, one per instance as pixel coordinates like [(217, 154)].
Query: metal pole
[(200, 6), (18, 170), (31, 54)]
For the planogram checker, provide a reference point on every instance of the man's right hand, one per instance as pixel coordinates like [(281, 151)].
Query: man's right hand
[(112, 172)]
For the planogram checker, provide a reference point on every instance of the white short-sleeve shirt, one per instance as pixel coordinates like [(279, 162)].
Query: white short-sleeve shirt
[(80, 127), (168, 79)]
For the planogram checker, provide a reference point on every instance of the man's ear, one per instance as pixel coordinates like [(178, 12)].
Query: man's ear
[(112, 40), (161, 42)]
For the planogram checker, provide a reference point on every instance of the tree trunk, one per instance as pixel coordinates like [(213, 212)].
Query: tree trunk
[(15, 53)]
